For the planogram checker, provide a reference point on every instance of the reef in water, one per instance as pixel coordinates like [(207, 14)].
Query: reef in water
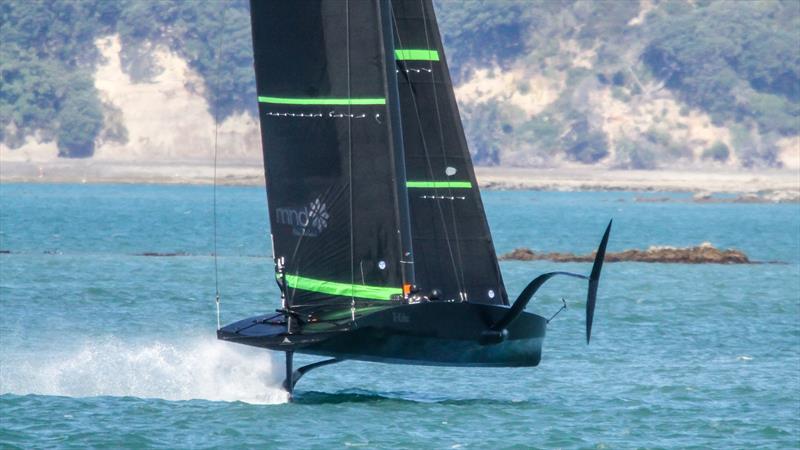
[(704, 253)]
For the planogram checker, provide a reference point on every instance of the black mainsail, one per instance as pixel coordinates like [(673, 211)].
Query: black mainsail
[(381, 245), (344, 161), (339, 224)]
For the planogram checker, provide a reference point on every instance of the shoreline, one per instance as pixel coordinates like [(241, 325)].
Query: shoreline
[(785, 182)]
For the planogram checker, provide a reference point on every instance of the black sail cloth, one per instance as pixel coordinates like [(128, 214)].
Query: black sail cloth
[(322, 84)]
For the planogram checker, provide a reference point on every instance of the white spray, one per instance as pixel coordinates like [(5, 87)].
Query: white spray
[(200, 369)]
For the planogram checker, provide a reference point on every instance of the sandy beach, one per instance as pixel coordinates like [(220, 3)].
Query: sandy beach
[(783, 184)]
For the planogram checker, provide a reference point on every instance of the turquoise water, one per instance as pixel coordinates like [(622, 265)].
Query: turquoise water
[(101, 347)]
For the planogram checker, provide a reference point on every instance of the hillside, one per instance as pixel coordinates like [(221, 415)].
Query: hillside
[(620, 84)]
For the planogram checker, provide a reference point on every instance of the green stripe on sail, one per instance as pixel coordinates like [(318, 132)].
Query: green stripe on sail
[(322, 101), (342, 289), (416, 55), (439, 184)]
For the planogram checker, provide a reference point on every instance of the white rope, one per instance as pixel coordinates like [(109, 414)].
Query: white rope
[(216, 134), (218, 323)]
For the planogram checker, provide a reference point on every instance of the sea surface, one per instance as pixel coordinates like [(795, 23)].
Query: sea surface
[(103, 347)]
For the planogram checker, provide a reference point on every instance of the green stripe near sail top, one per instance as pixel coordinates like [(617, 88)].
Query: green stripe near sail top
[(342, 289), (416, 55), (322, 101), (439, 184)]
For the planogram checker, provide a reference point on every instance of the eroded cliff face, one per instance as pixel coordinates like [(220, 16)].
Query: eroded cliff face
[(653, 113), (161, 120), (579, 95)]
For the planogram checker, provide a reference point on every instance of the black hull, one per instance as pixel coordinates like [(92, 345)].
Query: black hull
[(439, 334)]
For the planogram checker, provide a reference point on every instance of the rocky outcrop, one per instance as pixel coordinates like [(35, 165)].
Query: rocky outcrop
[(772, 196), (704, 253)]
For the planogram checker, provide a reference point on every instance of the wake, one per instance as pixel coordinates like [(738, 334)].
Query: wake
[(203, 369)]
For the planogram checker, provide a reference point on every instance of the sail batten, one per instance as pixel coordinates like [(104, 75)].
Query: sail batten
[(439, 184), (322, 101), (343, 289), (416, 55)]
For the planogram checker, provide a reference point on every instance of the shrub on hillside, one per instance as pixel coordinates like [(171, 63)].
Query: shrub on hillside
[(79, 123), (639, 154), (584, 144)]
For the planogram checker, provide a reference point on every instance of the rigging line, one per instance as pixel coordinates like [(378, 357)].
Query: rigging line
[(216, 141), (428, 161), (441, 138), (290, 298), (350, 152)]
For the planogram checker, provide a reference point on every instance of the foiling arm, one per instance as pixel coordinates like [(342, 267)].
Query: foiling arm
[(498, 331)]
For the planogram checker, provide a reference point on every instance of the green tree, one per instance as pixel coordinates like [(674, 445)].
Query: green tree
[(726, 56), (79, 122)]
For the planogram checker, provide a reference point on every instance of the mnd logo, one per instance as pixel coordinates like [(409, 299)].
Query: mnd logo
[(308, 221)]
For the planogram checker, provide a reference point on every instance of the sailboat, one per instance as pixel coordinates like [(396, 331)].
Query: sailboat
[(380, 242)]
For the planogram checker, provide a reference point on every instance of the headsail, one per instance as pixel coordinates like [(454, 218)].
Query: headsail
[(454, 253), (326, 123)]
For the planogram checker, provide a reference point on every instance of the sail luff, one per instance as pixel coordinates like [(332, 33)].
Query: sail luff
[(397, 146)]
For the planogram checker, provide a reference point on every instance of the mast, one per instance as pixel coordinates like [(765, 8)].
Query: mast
[(398, 149)]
